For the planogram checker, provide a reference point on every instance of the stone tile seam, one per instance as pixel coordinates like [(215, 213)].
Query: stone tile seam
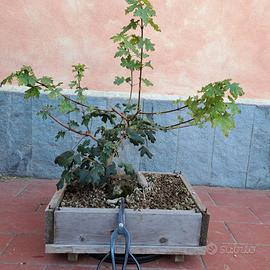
[(22, 190), (250, 145), (212, 199), (254, 214), (30, 168), (177, 151), (212, 156), (8, 244), (230, 232), (203, 263)]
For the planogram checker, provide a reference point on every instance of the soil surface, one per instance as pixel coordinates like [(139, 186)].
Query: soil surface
[(163, 192)]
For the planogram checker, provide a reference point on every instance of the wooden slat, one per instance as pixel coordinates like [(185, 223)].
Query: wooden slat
[(194, 195), (147, 227), (204, 228), (146, 249), (49, 215), (57, 198)]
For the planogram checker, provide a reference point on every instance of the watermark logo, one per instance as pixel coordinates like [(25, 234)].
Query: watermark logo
[(211, 249), (234, 249)]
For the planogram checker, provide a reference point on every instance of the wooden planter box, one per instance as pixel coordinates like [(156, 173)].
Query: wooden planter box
[(87, 230)]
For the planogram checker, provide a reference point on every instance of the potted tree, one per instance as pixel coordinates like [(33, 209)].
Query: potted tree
[(169, 218)]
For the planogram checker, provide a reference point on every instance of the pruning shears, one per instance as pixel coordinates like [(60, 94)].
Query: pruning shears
[(120, 230)]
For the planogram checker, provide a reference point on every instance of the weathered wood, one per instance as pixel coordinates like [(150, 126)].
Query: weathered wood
[(145, 249), (49, 226), (49, 215), (204, 228), (194, 195), (57, 198), (73, 257), (179, 258), (87, 230), (147, 227)]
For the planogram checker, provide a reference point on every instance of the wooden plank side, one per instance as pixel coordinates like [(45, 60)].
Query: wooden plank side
[(204, 229), (146, 249), (49, 215), (57, 198), (149, 227), (194, 195), (49, 226)]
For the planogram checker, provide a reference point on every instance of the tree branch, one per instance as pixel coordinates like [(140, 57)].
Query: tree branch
[(131, 85), (141, 68), (86, 134), (164, 112), (178, 125)]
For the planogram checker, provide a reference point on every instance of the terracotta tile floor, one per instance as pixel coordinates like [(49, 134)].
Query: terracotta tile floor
[(239, 236)]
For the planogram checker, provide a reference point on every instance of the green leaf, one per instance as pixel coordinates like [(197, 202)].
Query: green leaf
[(135, 137), (119, 80), (73, 123), (60, 134), (72, 84), (65, 106), (236, 90), (149, 46), (111, 170), (128, 168), (145, 151), (150, 136), (148, 64), (85, 176), (45, 112), (47, 81), (147, 82), (65, 159), (145, 14), (96, 173), (132, 25), (225, 123), (132, 7), (33, 92), (154, 25), (8, 79), (60, 183)]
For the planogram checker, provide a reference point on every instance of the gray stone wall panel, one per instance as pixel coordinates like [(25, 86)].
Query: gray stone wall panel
[(230, 156), (205, 156), (165, 148), (258, 174)]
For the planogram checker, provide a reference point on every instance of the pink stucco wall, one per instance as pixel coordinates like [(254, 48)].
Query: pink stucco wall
[(201, 41)]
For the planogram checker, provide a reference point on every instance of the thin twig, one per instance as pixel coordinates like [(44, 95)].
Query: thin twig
[(141, 68), (178, 125), (131, 86), (86, 134), (164, 112), (122, 115)]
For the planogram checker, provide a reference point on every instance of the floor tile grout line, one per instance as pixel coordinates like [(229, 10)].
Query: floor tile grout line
[(20, 192), (7, 245), (232, 235), (210, 173), (236, 222), (254, 214), (212, 200), (249, 150), (203, 263)]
